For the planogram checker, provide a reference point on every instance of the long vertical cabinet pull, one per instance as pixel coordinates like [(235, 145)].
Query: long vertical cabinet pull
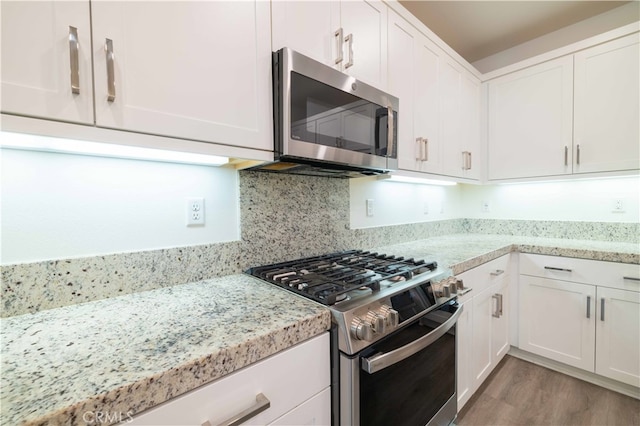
[(588, 306), (73, 59), (578, 154), (498, 312), (339, 41), (466, 160), (425, 141), (349, 40), (566, 155), (420, 153), (111, 78), (602, 309)]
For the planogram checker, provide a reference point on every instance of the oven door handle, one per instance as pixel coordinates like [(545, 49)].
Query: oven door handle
[(381, 361)]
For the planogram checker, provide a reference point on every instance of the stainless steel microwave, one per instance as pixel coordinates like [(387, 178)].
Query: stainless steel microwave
[(328, 123)]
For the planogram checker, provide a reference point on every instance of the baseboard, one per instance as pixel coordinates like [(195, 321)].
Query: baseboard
[(595, 379)]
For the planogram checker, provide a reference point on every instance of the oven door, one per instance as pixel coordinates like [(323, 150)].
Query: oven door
[(409, 378)]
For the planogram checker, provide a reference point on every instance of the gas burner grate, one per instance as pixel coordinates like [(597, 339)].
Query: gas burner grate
[(327, 279)]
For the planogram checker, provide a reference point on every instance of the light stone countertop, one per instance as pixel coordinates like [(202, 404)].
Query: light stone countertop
[(461, 252), (130, 353)]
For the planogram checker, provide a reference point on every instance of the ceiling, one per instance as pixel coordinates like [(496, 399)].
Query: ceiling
[(477, 29)]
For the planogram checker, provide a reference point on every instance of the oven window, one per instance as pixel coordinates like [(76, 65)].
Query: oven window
[(413, 390), (324, 115)]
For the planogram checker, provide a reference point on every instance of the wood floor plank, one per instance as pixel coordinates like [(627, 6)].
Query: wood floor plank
[(521, 393)]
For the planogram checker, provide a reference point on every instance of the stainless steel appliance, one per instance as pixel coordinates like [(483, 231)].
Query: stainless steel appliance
[(328, 123), (394, 360)]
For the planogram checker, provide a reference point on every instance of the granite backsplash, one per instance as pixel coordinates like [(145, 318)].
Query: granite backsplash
[(280, 221)]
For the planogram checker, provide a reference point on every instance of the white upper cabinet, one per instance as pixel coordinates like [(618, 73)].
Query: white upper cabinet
[(606, 108), (208, 81), (530, 116), (350, 35), (460, 125), (46, 60)]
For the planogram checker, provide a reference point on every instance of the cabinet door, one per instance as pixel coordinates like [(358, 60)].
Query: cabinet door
[(469, 127), (530, 121), (400, 53), (366, 22), (196, 70), (606, 106), (618, 335), (307, 27), (39, 58), (483, 308), (464, 342), (426, 115), (557, 320)]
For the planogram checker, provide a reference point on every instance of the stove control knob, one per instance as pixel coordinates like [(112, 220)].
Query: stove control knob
[(391, 316), (361, 330), (377, 321)]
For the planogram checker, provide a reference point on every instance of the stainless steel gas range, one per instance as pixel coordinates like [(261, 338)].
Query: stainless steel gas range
[(394, 355)]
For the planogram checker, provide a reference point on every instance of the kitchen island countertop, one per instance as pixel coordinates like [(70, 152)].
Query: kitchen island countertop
[(132, 352)]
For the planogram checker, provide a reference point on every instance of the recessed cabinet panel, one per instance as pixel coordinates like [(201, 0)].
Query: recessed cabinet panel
[(46, 60), (530, 121), (607, 107), (209, 81), (618, 335)]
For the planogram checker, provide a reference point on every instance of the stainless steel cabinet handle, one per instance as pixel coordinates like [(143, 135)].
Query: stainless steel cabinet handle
[(497, 272), (466, 160), (602, 309), (262, 403), (588, 306), (390, 132), (553, 268), (470, 164), (578, 155), (566, 155), (339, 41), (631, 278), (425, 141), (111, 78), (498, 312), (349, 39), (73, 59), (381, 361), (420, 154)]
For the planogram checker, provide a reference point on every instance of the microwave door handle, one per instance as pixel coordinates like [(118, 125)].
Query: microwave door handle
[(390, 132), (381, 361)]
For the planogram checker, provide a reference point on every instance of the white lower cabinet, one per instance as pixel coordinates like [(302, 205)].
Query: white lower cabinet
[(483, 328), (582, 313), (296, 382)]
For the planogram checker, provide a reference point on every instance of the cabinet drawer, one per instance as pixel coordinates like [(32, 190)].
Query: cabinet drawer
[(287, 379), (595, 272), (484, 276)]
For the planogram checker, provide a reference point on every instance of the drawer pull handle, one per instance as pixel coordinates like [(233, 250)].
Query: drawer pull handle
[(631, 278), (340, 40), (553, 268), (497, 272), (602, 309), (588, 306), (498, 312), (111, 78), (349, 40), (262, 403), (74, 61)]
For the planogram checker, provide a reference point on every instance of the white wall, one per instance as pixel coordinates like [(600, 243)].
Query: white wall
[(400, 203), (579, 200), (55, 206)]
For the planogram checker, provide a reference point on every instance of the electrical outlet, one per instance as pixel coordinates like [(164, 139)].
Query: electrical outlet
[(617, 205), (369, 207), (486, 207), (195, 211)]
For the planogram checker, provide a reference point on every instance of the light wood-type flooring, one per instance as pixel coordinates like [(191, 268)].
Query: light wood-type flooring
[(521, 393)]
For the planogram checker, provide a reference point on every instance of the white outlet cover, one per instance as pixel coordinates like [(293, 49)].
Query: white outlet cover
[(195, 211)]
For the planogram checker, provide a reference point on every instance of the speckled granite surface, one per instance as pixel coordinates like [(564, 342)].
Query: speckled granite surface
[(461, 252), (129, 353)]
